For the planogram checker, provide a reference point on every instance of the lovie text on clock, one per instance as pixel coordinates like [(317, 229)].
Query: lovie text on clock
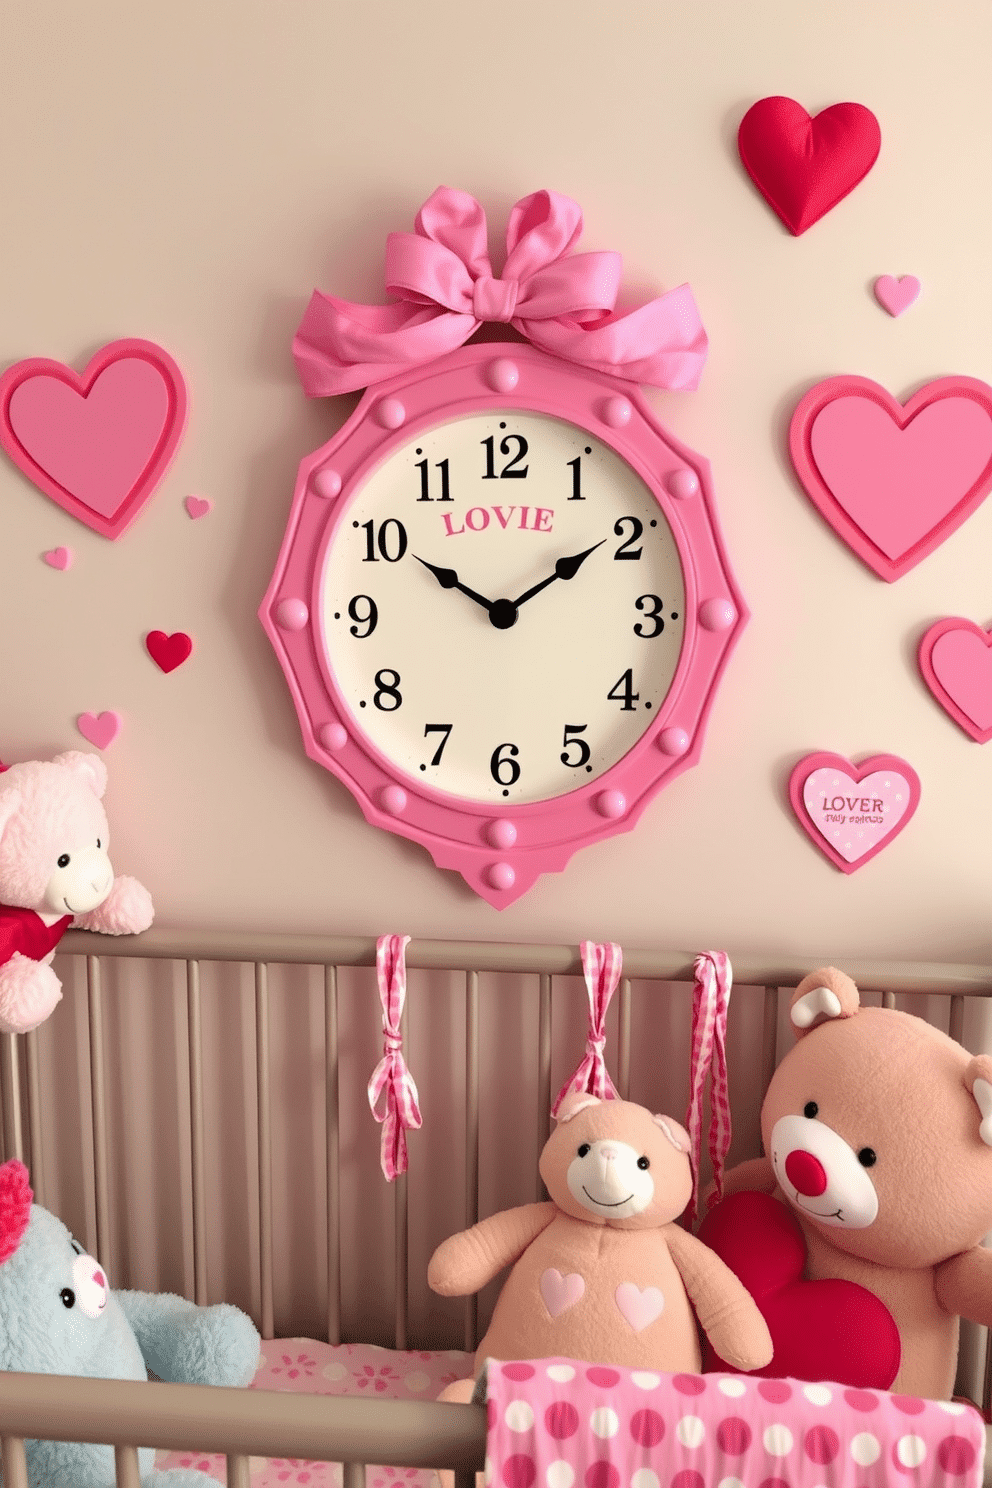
[(477, 519)]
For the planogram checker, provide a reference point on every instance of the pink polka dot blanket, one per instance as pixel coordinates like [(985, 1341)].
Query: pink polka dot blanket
[(358, 1369), (556, 1423)]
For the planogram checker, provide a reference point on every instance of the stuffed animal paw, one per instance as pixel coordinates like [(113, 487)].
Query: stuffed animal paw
[(29, 990)]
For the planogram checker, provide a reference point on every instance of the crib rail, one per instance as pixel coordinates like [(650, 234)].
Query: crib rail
[(239, 1423)]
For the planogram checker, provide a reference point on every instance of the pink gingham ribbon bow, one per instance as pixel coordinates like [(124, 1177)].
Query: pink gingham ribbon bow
[(710, 1001), (391, 1079), (444, 288), (601, 966)]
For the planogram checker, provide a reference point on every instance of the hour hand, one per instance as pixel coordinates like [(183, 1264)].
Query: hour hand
[(565, 568), (448, 579)]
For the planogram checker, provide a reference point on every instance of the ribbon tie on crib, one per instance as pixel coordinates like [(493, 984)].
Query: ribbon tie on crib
[(601, 966), (392, 1092), (444, 287), (710, 1001)]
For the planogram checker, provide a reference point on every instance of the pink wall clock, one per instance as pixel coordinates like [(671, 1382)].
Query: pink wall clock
[(97, 442), (851, 812), (502, 603), (956, 662)]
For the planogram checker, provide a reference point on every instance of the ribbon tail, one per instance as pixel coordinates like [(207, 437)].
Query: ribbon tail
[(342, 346)]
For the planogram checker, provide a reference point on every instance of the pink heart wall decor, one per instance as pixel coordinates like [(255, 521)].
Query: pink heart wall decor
[(100, 729), (60, 558), (803, 166), (956, 661), (197, 506), (850, 812), (894, 481), (98, 443), (896, 295), (168, 651)]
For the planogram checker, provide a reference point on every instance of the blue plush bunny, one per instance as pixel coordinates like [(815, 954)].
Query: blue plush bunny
[(59, 1316)]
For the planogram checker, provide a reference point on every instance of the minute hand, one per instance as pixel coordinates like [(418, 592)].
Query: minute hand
[(565, 568)]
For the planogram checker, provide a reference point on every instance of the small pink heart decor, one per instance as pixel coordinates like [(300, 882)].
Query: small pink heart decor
[(956, 662), (896, 295), (894, 481), (100, 729), (560, 1292), (197, 506), (850, 812), (168, 651), (639, 1308), (97, 443), (60, 558)]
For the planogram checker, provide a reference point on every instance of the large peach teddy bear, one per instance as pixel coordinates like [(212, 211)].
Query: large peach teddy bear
[(878, 1134), (55, 872), (601, 1271)]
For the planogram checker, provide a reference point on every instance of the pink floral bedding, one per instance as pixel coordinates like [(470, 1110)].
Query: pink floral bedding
[(358, 1369)]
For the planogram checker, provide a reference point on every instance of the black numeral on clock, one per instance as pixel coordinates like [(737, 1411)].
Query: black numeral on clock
[(622, 691), (425, 481), (509, 471), (503, 767), (569, 739), (576, 468), (651, 606), (438, 728), (387, 683), (390, 540), (626, 551), (369, 619)]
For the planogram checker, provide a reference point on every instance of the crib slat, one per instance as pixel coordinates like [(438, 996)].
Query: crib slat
[(333, 1154), (238, 1470), (769, 1037), (98, 1096), (464, 1478), (401, 1221), (196, 1154), (353, 1475), (955, 1018), (543, 1071), (126, 1469), (14, 1462), (471, 1137), (12, 1130), (35, 1119), (623, 1040), (263, 1100)]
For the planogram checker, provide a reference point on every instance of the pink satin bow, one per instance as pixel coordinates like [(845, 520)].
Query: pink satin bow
[(444, 285), (710, 1001), (601, 965), (391, 1076)]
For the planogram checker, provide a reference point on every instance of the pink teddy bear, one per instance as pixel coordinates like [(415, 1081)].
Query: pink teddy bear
[(55, 872)]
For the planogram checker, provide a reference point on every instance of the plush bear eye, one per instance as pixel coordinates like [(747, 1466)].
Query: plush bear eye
[(811, 1109), (98, 842), (583, 1149), (64, 860), (68, 1297), (867, 1158), (643, 1163), (77, 1248)]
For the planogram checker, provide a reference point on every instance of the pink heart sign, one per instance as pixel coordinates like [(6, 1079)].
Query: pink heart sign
[(97, 443), (896, 295), (100, 729), (852, 811), (894, 481), (956, 661)]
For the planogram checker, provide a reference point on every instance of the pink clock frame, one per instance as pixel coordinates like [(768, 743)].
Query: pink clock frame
[(501, 854)]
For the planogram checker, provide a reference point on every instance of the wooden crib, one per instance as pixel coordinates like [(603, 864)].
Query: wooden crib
[(144, 1082)]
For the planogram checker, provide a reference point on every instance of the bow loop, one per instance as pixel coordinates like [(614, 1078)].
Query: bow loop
[(601, 966), (541, 229), (422, 272), (456, 221), (392, 1093)]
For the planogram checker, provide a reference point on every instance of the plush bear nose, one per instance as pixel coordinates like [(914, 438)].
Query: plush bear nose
[(607, 1153), (806, 1173)]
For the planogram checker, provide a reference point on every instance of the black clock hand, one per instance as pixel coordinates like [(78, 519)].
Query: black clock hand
[(448, 579), (565, 568)]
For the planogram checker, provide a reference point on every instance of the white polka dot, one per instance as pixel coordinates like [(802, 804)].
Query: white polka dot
[(691, 1431), (645, 1380), (951, 1407), (519, 1415), (730, 1483), (818, 1394), (560, 1475), (778, 1440), (734, 1388), (604, 1422), (417, 1381), (865, 1449), (334, 1371), (911, 1450), (645, 1478), (560, 1373), (487, 1475)]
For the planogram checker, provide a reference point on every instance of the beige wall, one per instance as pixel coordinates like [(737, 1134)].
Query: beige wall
[(189, 172)]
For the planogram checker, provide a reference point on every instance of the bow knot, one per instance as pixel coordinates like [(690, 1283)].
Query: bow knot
[(601, 966), (494, 299)]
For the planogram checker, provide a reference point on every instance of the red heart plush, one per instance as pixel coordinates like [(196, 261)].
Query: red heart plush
[(822, 1330), (168, 651), (804, 166)]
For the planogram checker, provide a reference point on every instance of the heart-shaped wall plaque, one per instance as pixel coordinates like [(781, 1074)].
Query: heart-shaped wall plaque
[(852, 811), (894, 480), (803, 166), (956, 662), (99, 442)]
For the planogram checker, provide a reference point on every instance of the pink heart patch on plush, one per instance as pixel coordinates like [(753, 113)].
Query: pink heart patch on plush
[(896, 295), (60, 558), (560, 1292), (100, 729), (894, 481), (197, 506), (956, 662), (803, 166), (168, 651), (852, 811), (100, 442), (639, 1308)]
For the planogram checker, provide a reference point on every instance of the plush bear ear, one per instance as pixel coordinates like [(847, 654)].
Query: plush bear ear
[(87, 768), (574, 1102), (15, 1206), (978, 1082), (821, 996), (677, 1135)]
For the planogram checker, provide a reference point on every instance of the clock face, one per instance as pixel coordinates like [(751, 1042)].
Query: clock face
[(501, 606)]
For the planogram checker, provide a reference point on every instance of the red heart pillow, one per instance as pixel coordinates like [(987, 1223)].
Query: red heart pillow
[(804, 166), (822, 1330)]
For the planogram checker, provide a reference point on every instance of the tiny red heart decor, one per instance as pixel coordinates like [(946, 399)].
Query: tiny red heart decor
[(894, 481), (803, 166), (168, 651), (821, 1330), (956, 662), (97, 443), (852, 811)]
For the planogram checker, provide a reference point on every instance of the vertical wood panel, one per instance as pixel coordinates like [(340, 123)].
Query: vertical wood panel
[(263, 1097), (98, 1097), (333, 1130), (198, 1180)]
